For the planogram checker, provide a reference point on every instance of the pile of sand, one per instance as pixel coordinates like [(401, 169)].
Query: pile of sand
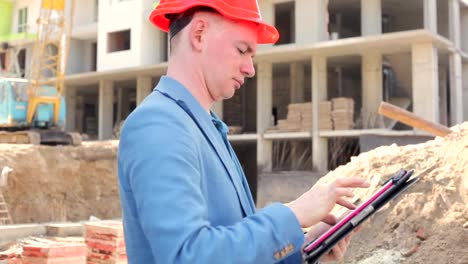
[(61, 183), (435, 209)]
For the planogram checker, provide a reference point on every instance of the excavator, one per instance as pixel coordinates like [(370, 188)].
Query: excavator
[(33, 110)]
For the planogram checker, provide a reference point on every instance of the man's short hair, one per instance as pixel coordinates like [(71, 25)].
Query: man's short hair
[(180, 21)]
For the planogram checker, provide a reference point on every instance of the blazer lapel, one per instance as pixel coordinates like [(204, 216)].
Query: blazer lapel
[(221, 149), (184, 99)]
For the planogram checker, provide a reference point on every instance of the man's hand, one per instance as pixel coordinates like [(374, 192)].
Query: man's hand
[(338, 251), (315, 205)]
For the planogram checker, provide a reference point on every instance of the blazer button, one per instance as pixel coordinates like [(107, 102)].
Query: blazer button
[(277, 255)]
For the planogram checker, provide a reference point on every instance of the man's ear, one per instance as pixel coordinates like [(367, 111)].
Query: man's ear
[(198, 30)]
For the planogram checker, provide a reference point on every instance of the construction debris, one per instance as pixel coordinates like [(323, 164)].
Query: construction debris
[(11, 255), (411, 251), (421, 234)]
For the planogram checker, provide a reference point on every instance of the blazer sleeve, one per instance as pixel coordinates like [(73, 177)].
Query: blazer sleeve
[(161, 164)]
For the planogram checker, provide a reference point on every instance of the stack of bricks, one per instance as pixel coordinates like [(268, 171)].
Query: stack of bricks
[(292, 123), (342, 113), (299, 118), (293, 119), (325, 120), (335, 114), (43, 251), (11, 256), (105, 241), (306, 116)]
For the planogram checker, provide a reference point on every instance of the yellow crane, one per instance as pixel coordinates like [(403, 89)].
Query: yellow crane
[(50, 55)]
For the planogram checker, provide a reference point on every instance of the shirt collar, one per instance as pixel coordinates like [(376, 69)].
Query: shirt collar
[(178, 91), (219, 124)]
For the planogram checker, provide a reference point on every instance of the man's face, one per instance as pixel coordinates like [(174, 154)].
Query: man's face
[(228, 57)]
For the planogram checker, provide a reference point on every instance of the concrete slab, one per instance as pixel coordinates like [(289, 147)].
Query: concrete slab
[(65, 229), (11, 233)]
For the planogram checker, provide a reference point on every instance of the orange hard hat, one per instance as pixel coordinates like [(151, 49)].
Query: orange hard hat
[(246, 10)]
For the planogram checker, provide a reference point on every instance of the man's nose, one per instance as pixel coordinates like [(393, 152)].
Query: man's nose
[(248, 68)]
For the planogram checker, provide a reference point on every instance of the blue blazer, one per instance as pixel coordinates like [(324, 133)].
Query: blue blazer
[(184, 197)]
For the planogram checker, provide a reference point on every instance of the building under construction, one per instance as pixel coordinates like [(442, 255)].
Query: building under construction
[(314, 100)]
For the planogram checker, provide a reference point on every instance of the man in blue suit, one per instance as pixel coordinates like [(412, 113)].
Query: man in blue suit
[(184, 195)]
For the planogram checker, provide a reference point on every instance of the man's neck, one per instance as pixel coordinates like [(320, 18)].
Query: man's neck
[(192, 79)]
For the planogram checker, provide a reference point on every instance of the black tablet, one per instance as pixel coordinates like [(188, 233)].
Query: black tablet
[(389, 190)]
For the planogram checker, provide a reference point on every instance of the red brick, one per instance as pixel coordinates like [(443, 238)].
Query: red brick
[(114, 228), (54, 260), (55, 250)]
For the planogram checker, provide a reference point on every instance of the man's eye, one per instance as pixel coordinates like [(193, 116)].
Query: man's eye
[(241, 51)]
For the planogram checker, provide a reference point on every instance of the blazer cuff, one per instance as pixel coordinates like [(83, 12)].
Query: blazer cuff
[(288, 230)]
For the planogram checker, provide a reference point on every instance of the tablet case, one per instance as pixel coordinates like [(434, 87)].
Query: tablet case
[(390, 189)]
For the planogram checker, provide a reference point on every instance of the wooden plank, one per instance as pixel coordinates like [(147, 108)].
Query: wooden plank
[(408, 118), (403, 103)]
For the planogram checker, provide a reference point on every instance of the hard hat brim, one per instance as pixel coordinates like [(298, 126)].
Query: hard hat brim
[(267, 34)]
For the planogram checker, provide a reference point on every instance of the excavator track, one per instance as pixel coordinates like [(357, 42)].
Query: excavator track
[(20, 137), (41, 137), (59, 137)]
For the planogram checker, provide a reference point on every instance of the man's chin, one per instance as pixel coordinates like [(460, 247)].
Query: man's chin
[(229, 95)]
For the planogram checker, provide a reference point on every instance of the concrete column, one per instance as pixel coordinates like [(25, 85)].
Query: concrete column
[(106, 101), (456, 89), (311, 21), (297, 82), (144, 88), (430, 15), (264, 119), (444, 77), (465, 91), (371, 17), (372, 88), (70, 95), (319, 93), (454, 22), (217, 107), (425, 81), (296, 71), (464, 29)]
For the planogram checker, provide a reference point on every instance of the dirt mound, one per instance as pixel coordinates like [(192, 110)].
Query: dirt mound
[(435, 209), (61, 183)]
